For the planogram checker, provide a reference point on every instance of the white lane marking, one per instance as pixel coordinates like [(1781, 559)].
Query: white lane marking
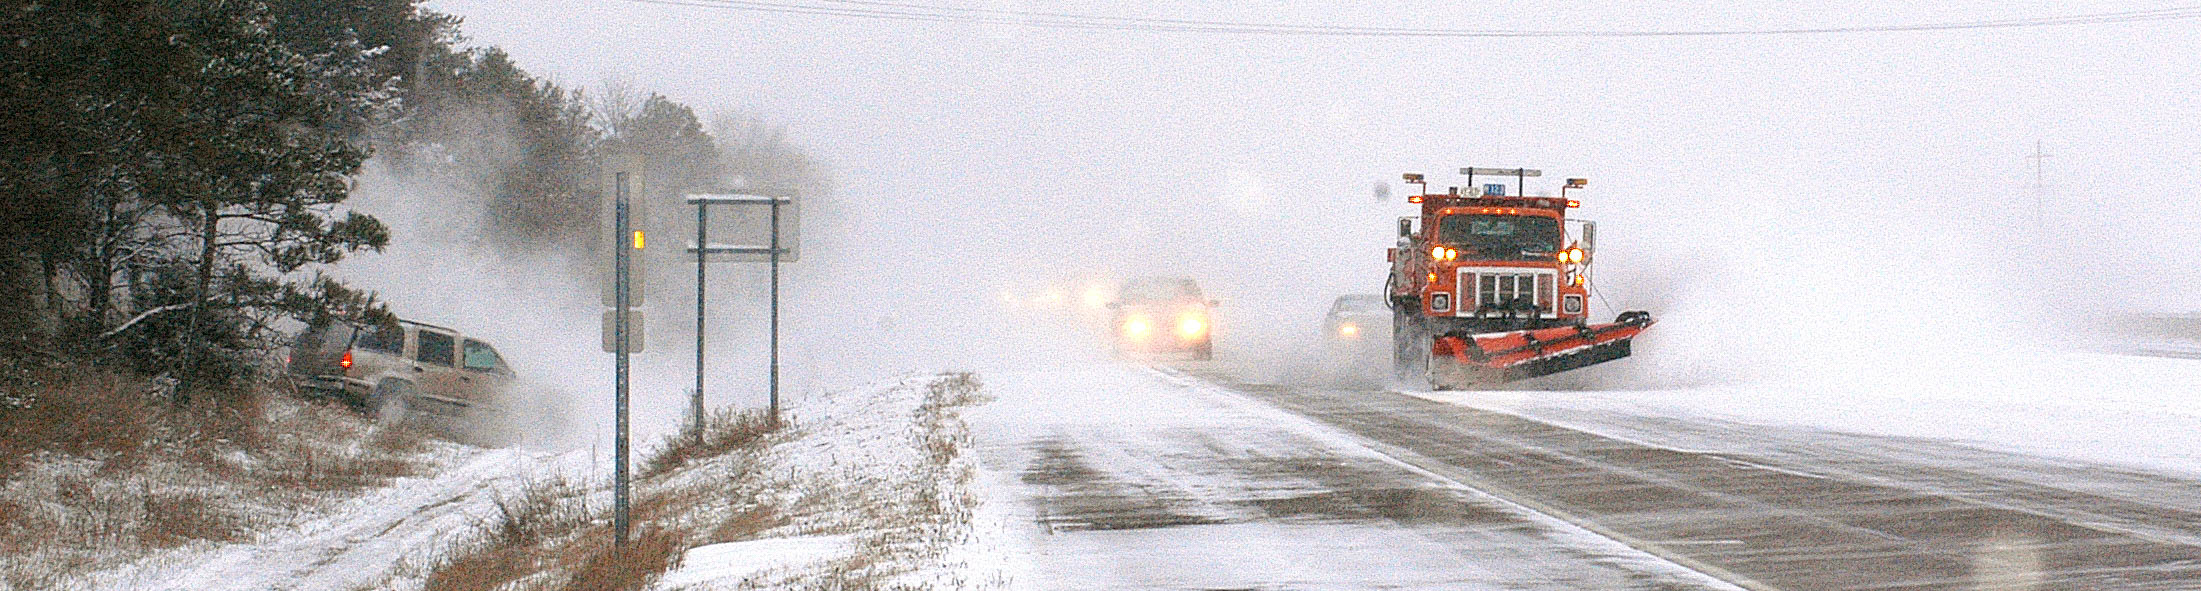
[(1434, 397)]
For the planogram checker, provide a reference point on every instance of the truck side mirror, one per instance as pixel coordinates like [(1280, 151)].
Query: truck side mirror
[(1406, 227), (1589, 241)]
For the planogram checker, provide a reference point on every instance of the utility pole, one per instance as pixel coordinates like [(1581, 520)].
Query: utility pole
[(2040, 191)]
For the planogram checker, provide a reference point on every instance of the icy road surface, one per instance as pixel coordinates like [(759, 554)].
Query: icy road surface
[(1128, 478), (1786, 507)]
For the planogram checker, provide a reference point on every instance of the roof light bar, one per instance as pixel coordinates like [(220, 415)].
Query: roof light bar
[(1501, 171)]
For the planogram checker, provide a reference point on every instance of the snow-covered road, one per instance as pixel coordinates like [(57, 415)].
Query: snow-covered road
[(1117, 477), (1789, 507)]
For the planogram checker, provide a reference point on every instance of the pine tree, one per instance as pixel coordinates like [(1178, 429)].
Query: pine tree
[(182, 165), (252, 154)]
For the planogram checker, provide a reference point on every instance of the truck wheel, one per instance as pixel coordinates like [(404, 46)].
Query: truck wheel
[(1409, 350), (391, 401), (1205, 352)]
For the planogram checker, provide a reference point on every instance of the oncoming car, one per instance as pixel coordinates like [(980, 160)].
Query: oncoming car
[(1162, 314), (402, 371), (1357, 318)]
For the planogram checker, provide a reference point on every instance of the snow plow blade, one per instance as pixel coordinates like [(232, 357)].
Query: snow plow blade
[(1494, 358)]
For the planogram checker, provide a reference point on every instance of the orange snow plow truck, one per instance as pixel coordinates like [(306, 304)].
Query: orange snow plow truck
[(1487, 288)]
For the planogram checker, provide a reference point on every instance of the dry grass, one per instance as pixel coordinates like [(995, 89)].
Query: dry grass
[(72, 411), (174, 518), (510, 548), (315, 468), (723, 432), (745, 524), (550, 538), (631, 566), (95, 470)]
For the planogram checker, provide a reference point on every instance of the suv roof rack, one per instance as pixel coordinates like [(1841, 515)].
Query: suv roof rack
[(427, 325)]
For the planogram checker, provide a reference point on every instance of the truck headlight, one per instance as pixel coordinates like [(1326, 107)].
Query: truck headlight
[(1440, 302)]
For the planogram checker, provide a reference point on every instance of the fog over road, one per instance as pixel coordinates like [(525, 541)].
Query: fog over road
[(1196, 478)]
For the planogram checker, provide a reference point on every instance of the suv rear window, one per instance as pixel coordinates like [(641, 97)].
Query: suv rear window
[(323, 338), (387, 339), (436, 348)]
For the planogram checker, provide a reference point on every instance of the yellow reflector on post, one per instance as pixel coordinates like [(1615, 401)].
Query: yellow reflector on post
[(638, 240)]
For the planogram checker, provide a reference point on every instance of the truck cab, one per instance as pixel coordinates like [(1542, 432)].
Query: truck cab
[(1492, 263), (1491, 288)]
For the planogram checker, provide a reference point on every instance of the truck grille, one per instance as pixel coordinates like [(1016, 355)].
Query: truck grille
[(1499, 288)]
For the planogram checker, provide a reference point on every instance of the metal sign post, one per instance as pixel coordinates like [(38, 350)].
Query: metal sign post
[(620, 272), (695, 403), (777, 249), (623, 322), (775, 380)]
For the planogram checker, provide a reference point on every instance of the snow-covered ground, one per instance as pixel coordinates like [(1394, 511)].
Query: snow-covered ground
[(361, 543), (868, 485), (875, 490), (2131, 410)]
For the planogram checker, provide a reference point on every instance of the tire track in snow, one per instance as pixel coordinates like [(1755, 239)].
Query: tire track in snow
[(360, 544)]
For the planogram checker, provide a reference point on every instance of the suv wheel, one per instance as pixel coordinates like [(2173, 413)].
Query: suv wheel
[(391, 401)]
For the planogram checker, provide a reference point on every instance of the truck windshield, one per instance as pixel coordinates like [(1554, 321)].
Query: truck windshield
[(1500, 237)]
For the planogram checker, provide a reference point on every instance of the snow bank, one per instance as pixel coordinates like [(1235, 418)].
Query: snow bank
[(2102, 408), (873, 489), (737, 561)]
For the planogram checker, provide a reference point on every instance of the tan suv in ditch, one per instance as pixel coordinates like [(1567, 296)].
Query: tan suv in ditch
[(406, 371)]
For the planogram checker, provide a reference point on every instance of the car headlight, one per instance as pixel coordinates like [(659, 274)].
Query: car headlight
[(1191, 325), (1348, 330), (1137, 326), (1094, 297)]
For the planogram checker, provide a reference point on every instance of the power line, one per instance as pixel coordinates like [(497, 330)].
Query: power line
[(2191, 12), (903, 11)]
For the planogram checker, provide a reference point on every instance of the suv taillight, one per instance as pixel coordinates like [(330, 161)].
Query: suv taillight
[(346, 362)]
